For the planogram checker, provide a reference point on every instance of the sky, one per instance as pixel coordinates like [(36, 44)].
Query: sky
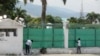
[(75, 5)]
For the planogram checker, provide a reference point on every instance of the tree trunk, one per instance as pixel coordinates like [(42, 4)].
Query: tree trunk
[(64, 1), (43, 15)]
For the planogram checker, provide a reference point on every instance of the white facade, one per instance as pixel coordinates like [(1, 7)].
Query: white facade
[(11, 41)]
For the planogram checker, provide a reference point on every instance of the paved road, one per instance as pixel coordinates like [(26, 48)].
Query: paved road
[(58, 55), (66, 55)]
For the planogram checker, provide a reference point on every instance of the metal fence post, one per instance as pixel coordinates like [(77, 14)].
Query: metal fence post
[(27, 32), (95, 36), (53, 35), (75, 38), (43, 31)]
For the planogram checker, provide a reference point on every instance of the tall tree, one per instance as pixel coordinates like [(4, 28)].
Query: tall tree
[(49, 19), (43, 14), (57, 19), (7, 6), (64, 1), (44, 5), (72, 20), (20, 13), (91, 16)]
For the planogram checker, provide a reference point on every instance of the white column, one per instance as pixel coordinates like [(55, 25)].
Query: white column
[(65, 28)]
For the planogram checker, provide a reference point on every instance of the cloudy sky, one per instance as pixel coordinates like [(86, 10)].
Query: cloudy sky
[(75, 5)]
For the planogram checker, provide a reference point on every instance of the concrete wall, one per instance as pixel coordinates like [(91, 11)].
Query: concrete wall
[(87, 50), (12, 44), (65, 34)]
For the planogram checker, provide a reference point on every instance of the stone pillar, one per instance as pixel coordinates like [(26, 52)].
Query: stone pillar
[(65, 28)]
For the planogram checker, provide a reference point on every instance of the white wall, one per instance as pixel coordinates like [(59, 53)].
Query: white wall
[(12, 44), (65, 34)]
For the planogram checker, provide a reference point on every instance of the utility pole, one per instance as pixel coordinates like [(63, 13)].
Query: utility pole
[(81, 11)]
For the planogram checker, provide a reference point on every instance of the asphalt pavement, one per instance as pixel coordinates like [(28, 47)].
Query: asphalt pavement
[(65, 55)]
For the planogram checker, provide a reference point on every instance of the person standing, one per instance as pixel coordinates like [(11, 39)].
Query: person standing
[(78, 46), (28, 46)]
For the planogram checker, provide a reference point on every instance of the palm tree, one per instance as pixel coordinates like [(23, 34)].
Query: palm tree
[(43, 15), (64, 1), (7, 6), (44, 5), (20, 13), (91, 16)]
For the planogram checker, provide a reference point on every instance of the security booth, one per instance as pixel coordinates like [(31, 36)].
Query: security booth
[(11, 37)]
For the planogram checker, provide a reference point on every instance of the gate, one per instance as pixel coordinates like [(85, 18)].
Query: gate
[(48, 38), (89, 35)]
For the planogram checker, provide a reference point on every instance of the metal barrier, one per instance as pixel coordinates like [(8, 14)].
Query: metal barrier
[(45, 37), (89, 37)]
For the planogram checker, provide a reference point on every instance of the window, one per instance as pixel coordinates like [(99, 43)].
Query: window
[(9, 30)]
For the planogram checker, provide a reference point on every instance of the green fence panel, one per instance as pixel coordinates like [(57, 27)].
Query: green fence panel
[(97, 34), (58, 38), (71, 43), (25, 31), (85, 34), (90, 43), (36, 44), (71, 34), (35, 32), (98, 43), (58, 44), (58, 34), (47, 44), (48, 34), (36, 38), (88, 37), (83, 43), (98, 37), (44, 37), (58, 31)]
